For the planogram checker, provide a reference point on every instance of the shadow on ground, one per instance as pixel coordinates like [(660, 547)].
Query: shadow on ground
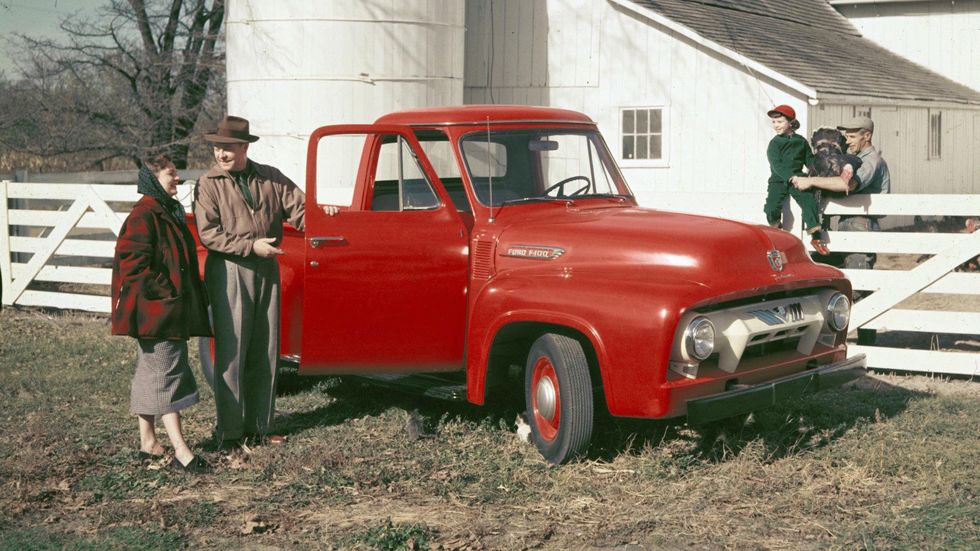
[(811, 423)]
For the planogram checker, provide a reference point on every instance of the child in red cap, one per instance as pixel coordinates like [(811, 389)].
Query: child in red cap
[(788, 153)]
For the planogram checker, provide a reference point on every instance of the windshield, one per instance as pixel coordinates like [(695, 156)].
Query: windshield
[(539, 165)]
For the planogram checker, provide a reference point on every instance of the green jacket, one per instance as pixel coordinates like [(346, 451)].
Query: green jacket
[(787, 156)]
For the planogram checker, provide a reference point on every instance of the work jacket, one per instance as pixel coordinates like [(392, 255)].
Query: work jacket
[(156, 284), (227, 224)]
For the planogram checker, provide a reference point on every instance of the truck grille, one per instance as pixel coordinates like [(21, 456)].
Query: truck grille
[(757, 329), (779, 315)]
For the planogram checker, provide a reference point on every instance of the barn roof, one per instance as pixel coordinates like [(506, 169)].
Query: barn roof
[(812, 44)]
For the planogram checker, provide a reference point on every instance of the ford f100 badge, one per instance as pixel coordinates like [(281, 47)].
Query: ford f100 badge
[(538, 252)]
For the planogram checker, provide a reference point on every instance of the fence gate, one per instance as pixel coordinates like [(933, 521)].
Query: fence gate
[(57, 242)]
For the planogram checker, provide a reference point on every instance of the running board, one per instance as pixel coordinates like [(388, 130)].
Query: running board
[(432, 386), (438, 386)]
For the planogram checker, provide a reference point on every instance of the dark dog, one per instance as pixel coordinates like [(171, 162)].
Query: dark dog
[(829, 158)]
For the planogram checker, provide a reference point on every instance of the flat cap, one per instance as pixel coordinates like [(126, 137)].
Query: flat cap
[(858, 123)]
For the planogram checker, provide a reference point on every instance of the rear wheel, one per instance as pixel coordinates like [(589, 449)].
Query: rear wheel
[(558, 394)]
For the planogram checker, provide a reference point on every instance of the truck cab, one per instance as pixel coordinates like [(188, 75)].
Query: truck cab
[(481, 241)]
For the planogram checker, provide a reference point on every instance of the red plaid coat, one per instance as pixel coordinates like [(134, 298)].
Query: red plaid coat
[(156, 286)]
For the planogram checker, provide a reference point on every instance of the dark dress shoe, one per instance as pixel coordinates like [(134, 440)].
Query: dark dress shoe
[(266, 439), (143, 457), (196, 466)]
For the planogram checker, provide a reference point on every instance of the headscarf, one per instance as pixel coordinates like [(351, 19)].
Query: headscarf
[(149, 185)]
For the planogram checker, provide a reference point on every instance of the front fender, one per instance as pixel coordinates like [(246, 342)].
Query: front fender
[(628, 320)]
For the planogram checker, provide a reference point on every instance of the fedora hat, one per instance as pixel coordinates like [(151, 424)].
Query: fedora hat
[(231, 129)]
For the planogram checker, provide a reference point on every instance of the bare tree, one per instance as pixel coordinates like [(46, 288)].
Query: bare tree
[(136, 79)]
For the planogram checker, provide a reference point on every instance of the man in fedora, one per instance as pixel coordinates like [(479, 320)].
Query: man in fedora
[(239, 207), (871, 177)]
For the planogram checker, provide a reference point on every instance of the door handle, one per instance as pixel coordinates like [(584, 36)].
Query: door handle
[(314, 264), (315, 242)]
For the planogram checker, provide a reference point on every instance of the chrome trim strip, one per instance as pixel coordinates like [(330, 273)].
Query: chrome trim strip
[(493, 122)]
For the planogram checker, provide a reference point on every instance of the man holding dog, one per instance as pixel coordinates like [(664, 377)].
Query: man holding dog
[(871, 177)]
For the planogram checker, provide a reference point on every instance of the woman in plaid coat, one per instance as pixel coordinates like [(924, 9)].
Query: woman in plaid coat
[(158, 298)]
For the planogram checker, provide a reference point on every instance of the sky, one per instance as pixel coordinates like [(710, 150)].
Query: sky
[(36, 17)]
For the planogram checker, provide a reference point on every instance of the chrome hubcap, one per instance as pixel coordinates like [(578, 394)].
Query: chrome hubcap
[(545, 397)]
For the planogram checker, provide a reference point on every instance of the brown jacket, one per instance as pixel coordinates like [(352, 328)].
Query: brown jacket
[(156, 286), (227, 225)]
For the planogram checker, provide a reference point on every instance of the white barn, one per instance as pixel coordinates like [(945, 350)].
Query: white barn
[(943, 35), (707, 72), (679, 88)]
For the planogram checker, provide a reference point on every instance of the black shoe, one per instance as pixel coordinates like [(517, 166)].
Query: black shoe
[(265, 439), (196, 466), (144, 457)]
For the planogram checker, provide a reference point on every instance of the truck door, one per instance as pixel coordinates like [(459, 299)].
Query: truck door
[(385, 281)]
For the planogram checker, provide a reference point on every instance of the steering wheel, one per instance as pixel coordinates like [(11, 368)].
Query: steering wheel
[(560, 186)]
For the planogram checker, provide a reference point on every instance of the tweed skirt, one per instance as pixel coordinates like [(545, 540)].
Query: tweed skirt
[(164, 382)]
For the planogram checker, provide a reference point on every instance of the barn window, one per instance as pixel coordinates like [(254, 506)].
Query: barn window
[(643, 134), (935, 134)]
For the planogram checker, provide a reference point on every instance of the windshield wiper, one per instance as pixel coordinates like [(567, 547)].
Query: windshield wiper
[(533, 200), (612, 195)]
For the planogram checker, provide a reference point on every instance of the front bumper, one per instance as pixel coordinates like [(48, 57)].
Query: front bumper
[(751, 398)]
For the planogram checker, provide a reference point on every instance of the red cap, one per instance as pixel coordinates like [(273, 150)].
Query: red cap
[(784, 110)]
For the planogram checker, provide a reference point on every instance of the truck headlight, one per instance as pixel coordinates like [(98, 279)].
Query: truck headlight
[(838, 312), (699, 338)]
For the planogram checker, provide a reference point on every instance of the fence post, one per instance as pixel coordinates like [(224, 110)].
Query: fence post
[(5, 275)]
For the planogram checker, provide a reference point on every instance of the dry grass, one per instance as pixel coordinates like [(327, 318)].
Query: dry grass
[(889, 463)]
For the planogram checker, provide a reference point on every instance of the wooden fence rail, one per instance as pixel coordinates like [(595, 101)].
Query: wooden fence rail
[(65, 234), (68, 231)]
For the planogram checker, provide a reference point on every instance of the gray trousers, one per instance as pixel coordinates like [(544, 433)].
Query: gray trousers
[(244, 297)]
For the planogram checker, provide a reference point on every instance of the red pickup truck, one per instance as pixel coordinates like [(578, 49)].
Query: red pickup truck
[(488, 247)]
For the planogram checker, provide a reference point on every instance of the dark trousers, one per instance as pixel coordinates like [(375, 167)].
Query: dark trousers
[(807, 200)]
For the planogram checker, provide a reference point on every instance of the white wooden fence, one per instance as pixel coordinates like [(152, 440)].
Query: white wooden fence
[(69, 232), (59, 224)]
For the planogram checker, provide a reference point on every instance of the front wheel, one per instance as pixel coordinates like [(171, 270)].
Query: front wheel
[(558, 394)]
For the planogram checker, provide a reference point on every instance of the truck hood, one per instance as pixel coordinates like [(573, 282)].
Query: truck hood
[(720, 255)]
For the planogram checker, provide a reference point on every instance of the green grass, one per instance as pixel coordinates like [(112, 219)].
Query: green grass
[(877, 466), (389, 536), (123, 538)]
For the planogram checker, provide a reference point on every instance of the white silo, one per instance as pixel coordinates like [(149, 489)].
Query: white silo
[(295, 65)]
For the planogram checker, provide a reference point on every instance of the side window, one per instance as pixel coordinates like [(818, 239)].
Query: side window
[(399, 183), (644, 132), (440, 155), (935, 134), (437, 149)]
